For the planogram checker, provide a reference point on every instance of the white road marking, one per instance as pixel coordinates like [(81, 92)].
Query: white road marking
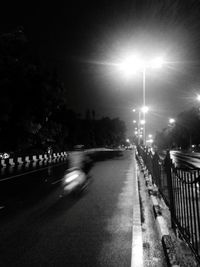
[(137, 243), (57, 181)]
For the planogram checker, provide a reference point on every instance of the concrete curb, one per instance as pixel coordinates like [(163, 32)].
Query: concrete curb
[(161, 223)]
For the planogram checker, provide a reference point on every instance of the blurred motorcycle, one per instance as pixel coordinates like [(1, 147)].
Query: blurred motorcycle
[(75, 181)]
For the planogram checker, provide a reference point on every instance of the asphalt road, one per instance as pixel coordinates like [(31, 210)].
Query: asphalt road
[(41, 227)]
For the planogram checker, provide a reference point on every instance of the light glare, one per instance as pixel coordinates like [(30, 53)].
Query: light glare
[(198, 97), (131, 65), (145, 109), (157, 63), (171, 120)]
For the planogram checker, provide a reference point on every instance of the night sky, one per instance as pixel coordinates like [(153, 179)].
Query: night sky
[(86, 39)]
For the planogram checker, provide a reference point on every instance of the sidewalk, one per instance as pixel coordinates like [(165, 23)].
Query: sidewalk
[(147, 250)]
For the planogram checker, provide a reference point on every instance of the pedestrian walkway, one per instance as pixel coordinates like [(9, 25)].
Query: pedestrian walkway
[(147, 248)]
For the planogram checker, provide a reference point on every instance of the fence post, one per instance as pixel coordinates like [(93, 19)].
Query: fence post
[(156, 170), (168, 167)]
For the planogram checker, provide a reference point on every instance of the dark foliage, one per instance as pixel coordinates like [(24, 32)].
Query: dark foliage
[(184, 133), (33, 110)]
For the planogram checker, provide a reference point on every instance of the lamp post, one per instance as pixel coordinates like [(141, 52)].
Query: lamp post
[(141, 121), (133, 64), (138, 123), (144, 109)]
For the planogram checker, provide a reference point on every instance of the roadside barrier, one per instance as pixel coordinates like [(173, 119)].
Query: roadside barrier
[(161, 223), (27, 160), (41, 158), (20, 161), (11, 162), (35, 158), (180, 191), (46, 157), (3, 164)]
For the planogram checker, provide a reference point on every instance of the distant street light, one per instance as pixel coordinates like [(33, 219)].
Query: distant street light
[(150, 141), (138, 122), (172, 120), (198, 97), (145, 109)]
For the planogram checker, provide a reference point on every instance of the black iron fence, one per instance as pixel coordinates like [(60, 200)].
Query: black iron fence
[(181, 192)]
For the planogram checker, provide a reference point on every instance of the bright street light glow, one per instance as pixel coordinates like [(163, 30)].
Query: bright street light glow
[(134, 110), (145, 109), (127, 140), (150, 135), (171, 120), (157, 63), (131, 64), (142, 122), (150, 141), (134, 63), (198, 97), (134, 121)]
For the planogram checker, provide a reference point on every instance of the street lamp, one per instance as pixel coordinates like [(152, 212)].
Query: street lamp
[(144, 109), (198, 97), (134, 121), (133, 64), (172, 121)]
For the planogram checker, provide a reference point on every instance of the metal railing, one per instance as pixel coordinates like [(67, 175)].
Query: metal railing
[(181, 192)]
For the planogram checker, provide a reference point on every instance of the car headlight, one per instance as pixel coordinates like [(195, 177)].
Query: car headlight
[(71, 177)]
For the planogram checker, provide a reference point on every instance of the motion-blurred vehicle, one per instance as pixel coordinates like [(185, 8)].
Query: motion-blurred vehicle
[(75, 180)]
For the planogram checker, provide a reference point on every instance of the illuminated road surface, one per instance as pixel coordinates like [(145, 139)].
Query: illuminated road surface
[(42, 228)]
